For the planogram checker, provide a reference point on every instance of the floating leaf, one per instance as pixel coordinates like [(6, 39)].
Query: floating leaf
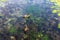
[(58, 14), (58, 25), (54, 11)]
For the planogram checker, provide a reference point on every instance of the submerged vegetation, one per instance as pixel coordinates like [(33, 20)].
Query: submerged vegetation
[(30, 22)]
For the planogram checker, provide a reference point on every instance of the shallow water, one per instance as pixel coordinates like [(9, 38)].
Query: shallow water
[(29, 20)]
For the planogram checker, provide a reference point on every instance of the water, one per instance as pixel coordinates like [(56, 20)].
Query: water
[(29, 20)]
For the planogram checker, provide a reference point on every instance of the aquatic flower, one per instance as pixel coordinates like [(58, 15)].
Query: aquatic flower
[(26, 16), (12, 38), (26, 28)]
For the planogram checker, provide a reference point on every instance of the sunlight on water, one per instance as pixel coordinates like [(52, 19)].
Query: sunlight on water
[(57, 6), (3, 0)]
